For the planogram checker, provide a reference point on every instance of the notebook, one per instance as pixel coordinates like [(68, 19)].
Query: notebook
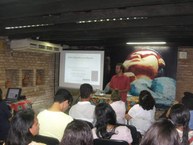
[(13, 94)]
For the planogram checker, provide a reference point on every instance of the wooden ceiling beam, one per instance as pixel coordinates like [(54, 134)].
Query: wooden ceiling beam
[(149, 22), (150, 32), (37, 10)]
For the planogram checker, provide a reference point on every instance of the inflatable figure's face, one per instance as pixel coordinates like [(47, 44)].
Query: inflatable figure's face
[(144, 62)]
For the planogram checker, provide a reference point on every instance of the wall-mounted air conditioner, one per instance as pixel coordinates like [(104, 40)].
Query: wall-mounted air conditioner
[(34, 46)]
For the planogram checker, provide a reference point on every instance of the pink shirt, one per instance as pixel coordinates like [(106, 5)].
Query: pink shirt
[(121, 83), (121, 133)]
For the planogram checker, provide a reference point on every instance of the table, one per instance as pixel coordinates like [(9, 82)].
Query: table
[(96, 99), (131, 100)]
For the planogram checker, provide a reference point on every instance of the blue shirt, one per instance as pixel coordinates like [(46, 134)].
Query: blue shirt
[(191, 120)]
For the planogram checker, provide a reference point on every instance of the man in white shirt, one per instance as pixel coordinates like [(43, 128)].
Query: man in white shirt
[(53, 121), (84, 110)]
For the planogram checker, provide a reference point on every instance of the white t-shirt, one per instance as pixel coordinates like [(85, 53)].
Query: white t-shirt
[(121, 133), (36, 143), (83, 110), (141, 119), (119, 108), (53, 124)]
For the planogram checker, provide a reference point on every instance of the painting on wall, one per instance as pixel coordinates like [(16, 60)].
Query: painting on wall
[(147, 70), (151, 68)]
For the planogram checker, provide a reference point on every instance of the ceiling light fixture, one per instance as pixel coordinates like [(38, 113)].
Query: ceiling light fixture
[(146, 43), (27, 26), (111, 20)]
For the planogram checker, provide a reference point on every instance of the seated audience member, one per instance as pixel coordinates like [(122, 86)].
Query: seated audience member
[(142, 115), (24, 125), (180, 116), (5, 115), (187, 100), (77, 133), (53, 121), (162, 132), (106, 125), (83, 110), (118, 106)]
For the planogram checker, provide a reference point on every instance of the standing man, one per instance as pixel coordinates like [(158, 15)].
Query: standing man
[(120, 82), (84, 110), (53, 121)]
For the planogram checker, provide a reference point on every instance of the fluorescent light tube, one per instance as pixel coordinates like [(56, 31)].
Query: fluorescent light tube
[(143, 43)]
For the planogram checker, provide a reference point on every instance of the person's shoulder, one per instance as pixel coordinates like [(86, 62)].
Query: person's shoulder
[(42, 112), (113, 103), (80, 104), (67, 117), (72, 109), (73, 106), (123, 128), (118, 103), (136, 106), (135, 109), (125, 78), (92, 105), (114, 76), (64, 117), (121, 102), (36, 143), (92, 108)]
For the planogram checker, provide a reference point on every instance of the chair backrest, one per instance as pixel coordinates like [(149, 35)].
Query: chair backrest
[(46, 140), (135, 135), (109, 142)]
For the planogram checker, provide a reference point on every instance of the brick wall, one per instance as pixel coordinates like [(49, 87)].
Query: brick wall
[(14, 63), (184, 72)]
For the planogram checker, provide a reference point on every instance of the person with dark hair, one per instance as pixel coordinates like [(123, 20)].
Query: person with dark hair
[(24, 126), (53, 121), (162, 132), (142, 115), (187, 100), (84, 110), (118, 106), (180, 116), (106, 125), (5, 115), (77, 133), (120, 82)]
